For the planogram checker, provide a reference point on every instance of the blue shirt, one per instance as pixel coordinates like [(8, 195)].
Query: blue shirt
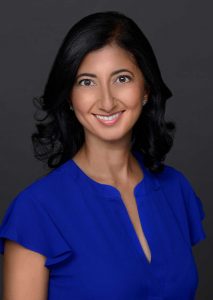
[(91, 248)]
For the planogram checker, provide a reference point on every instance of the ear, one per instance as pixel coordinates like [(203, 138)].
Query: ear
[(147, 93), (146, 96)]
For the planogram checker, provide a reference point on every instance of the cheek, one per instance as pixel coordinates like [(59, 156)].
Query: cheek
[(132, 96), (81, 99)]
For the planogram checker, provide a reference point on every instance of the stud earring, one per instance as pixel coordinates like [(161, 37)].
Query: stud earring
[(144, 102), (71, 108)]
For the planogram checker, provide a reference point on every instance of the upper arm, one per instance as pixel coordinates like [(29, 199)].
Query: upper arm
[(24, 274)]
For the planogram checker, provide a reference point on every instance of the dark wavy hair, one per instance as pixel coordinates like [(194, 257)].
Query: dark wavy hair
[(59, 134)]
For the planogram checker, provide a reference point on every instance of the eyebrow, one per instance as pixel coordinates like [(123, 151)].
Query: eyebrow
[(113, 73)]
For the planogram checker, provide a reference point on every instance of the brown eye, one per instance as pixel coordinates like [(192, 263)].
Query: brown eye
[(86, 82), (123, 79)]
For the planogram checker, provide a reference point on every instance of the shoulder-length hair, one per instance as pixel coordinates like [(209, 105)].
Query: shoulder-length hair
[(59, 134)]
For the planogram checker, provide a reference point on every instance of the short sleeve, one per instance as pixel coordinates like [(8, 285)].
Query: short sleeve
[(194, 211), (29, 224)]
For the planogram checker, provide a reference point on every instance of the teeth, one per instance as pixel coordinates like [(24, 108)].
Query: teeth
[(108, 118)]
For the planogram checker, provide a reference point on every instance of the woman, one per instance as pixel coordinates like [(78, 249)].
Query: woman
[(111, 220)]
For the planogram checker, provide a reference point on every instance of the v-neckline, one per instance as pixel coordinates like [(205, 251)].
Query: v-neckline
[(109, 191)]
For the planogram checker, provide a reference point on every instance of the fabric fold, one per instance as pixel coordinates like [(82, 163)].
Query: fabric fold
[(194, 210), (52, 261), (28, 224)]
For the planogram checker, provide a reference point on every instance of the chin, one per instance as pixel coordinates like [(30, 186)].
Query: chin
[(114, 137)]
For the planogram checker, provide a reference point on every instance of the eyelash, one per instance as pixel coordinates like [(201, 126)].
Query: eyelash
[(120, 76)]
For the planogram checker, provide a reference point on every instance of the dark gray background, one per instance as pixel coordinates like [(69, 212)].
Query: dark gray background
[(181, 35)]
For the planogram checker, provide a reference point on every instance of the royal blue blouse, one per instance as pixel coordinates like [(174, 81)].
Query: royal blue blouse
[(91, 248)]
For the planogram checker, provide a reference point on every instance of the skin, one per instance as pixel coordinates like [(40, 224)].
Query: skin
[(24, 274), (105, 156), (106, 152)]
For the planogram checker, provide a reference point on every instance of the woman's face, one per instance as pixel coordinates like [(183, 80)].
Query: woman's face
[(107, 96)]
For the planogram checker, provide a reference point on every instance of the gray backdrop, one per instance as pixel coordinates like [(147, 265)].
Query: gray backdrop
[(181, 35)]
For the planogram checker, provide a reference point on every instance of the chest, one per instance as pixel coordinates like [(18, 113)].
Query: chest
[(129, 201), (106, 234)]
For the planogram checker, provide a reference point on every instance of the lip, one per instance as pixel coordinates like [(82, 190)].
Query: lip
[(109, 122)]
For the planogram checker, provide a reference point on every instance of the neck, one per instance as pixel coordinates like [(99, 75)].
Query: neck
[(108, 161)]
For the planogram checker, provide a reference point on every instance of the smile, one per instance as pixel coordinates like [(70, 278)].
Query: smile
[(109, 120)]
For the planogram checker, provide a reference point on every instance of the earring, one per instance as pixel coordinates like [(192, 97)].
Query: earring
[(144, 102), (71, 108)]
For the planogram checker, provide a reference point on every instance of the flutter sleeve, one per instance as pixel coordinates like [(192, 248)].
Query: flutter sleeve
[(29, 224), (194, 211)]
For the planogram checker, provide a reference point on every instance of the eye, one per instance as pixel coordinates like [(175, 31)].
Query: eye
[(86, 82), (123, 79)]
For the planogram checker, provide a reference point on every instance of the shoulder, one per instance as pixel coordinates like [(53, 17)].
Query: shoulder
[(170, 174), (51, 185), (35, 216), (172, 178)]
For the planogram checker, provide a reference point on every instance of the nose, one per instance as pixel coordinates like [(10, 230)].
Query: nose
[(107, 101)]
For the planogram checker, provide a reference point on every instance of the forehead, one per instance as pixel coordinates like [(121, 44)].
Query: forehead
[(109, 56)]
